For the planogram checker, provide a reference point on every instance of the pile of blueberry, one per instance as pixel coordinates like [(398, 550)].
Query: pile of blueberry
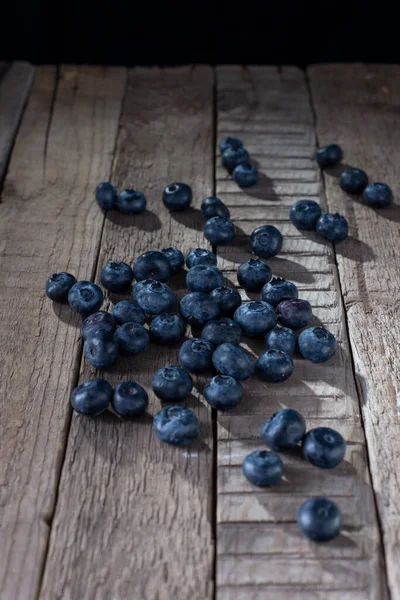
[(235, 159)]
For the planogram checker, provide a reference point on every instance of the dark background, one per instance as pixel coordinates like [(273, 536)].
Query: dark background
[(177, 32)]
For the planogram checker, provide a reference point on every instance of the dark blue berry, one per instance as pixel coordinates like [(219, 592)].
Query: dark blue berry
[(138, 287), (131, 202), (198, 308), (230, 142), (156, 298), (175, 259), (304, 214), (278, 289), (329, 156), (172, 384), (151, 265), (222, 331), (234, 156), (214, 207), (129, 399), (275, 366), (253, 274), (223, 392), (245, 175), (266, 241), (99, 323), (294, 313), (353, 181), (324, 447), (58, 286), (116, 277), (263, 468), (333, 227), (128, 312), (195, 355), (176, 425), (85, 297), (132, 338), (317, 344), (228, 300), (219, 231), (91, 398), (100, 351), (204, 278), (281, 338), (319, 519), (378, 195), (167, 329), (106, 195), (177, 196), (255, 318), (284, 430), (232, 360), (200, 256)]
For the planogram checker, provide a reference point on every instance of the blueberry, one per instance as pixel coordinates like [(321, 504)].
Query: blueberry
[(219, 231), (99, 323), (266, 241), (222, 331), (204, 278), (116, 277), (198, 308), (245, 175), (284, 430), (58, 286), (92, 397), (353, 181), (195, 355), (253, 274), (304, 214), (106, 195), (167, 329), (319, 519), (275, 366), (228, 300), (214, 207), (329, 156), (175, 259), (131, 202), (234, 156), (294, 313), (281, 338), (232, 360), (85, 297), (333, 227), (151, 264), (172, 384), (200, 256), (176, 425), (263, 468), (100, 351), (177, 196), (129, 399), (132, 338), (378, 195), (278, 289), (324, 447), (156, 298), (128, 312), (230, 142), (223, 392), (255, 318), (317, 344), (138, 287)]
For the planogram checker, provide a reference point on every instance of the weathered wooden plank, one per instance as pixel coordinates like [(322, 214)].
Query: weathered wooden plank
[(358, 107), (47, 223), (139, 521), (253, 104)]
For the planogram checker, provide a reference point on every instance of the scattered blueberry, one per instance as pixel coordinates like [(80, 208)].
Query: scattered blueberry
[(324, 447), (176, 425), (278, 289), (172, 384), (214, 207), (138, 287), (132, 338), (219, 231), (234, 156), (329, 156), (99, 323), (131, 202), (204, 278), (91, 398), (198, 308), (177, 196), (156, 298), (284, 430), (245, 175), (230, 142), (263, 468), (232, 360), (228, 300), (200, 256), (333, 227), (129, 399), (175, 259), (378, 195), (128, 312), (151, 265), (353, 181), (105, 195), (319, 519), (167, 329), (223, 392), (85, 297), (253, 274), (58, 286), (116, 277), (266, 241), (255, 318), (317, 344), (294, 313), (304, 214), (281, 338), (275, 366), (195, 355), (222, 331), (101, 352)]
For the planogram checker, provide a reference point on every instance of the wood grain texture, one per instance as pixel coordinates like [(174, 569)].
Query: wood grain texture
[(48, 223), (15, 84), (134, 516), (270, 110), (358, 107)]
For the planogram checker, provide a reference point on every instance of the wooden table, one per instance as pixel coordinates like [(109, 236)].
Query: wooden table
[(100, 509)]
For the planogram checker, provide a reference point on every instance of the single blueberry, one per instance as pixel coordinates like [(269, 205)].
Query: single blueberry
[(85, 297), (378, 195), (324, 447), (234, 156), (294, 313), (245, 175), (284, 430), (278, 289), (131, 202), (333, 227), (138, 287), (230, 142), (255, 318), (176, 425), (281, 338), (263, 468), (156, 298), (198, 308), (319, 519), (195, 355), (304, 214), (200, 256), (99, 323), (232, 360), (132, 338), (266, 241), (228, 300), (222, 331), (204, 278), (175, 259), (116, 277), (91, 398), (172, 384), (177, 196), (353, 181), (105, 195), (219, 231), (151, 264), (58, 286), (317, 344), (167, 329), (100, 351), (128, 312), (275, 366), (329, 156), (129, 399), (223, 392), (214, 207), (253, 274)]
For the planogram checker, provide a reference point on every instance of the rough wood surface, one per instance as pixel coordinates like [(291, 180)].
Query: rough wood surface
[(48, 222), (134, 516), (357, 106), (270, 110)]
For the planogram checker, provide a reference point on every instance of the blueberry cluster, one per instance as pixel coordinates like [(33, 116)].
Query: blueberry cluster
[(128, 202), (235, 159)]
